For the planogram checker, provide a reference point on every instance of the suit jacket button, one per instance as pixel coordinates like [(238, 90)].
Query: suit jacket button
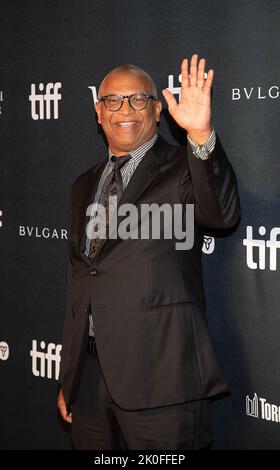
[(93, 271)]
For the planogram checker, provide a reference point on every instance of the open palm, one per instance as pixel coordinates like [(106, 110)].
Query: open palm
[(193, 112)]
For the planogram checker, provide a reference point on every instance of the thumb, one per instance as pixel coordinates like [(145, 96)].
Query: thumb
[(170, 100), (64, 413)]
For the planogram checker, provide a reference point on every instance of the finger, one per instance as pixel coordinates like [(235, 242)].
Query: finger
[(200, 74), (64, 413), (68, 418), (185, 74), (193, 70), (208, 83), (170, 100)]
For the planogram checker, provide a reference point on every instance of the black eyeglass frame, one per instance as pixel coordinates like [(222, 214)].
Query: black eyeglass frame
[(103, 98)]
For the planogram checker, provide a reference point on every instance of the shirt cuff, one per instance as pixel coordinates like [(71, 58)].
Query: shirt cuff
[(203, 151)]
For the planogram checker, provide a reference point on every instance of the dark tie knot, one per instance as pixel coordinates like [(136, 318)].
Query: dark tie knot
[(119, 162)]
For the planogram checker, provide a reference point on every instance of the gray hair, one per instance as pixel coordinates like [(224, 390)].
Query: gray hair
[(132, 69)]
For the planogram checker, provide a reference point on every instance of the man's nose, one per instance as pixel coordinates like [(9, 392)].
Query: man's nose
[(126, 108)]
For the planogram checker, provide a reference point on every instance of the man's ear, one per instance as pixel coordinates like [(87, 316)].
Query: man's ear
[(158, 109), (98, 111)]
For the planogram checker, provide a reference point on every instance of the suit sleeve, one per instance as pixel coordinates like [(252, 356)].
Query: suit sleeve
[(212, 187)]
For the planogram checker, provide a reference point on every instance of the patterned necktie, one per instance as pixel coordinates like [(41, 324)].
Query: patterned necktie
[(112, 187)]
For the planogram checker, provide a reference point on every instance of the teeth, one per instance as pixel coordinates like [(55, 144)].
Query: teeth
[(126, 124)]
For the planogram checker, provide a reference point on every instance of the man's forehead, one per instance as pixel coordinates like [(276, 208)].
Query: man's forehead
[(124, 83)]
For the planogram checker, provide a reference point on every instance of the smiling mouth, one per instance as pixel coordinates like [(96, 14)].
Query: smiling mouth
[(126, 124)]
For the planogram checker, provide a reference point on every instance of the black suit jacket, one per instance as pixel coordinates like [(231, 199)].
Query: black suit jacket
[(146, 297)]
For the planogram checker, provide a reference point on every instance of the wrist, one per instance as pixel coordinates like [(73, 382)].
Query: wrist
[(200, 137)]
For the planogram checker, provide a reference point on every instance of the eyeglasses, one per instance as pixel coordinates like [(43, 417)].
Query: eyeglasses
[(137, 101)]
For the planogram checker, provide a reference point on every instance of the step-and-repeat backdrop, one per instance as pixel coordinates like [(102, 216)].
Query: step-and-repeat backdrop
[(53, 56)]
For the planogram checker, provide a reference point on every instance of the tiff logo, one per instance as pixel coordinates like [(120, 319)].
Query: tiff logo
[(254, 245), (44, 101), (46, 361)]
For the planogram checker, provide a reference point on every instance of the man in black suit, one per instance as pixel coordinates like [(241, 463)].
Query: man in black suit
[(138, 367)]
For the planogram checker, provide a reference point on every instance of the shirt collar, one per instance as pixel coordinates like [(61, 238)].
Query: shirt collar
[(140, 151)]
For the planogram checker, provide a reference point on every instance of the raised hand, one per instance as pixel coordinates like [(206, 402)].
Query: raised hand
[(193, 112)]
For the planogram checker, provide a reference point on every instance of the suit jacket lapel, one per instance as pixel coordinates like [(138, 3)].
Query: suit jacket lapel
[(144, 174)]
